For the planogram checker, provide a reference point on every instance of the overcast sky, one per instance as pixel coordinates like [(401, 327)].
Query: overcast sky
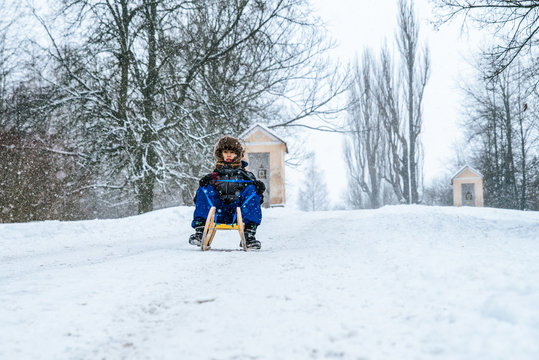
[(367, 23)]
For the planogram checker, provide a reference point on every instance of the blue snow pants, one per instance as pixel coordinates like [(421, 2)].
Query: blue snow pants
[(249, 201)]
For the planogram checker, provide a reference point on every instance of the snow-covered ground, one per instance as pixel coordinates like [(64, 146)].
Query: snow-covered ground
[(402, 282)]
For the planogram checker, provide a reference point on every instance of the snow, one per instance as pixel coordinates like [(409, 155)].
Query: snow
[(400, 282)]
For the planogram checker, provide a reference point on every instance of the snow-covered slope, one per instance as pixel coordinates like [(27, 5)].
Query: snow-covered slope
[(404, 282)]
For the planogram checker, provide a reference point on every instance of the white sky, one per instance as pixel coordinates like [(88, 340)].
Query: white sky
[(356, 24)]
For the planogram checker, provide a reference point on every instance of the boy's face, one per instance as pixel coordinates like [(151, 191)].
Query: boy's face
[(229, 155)]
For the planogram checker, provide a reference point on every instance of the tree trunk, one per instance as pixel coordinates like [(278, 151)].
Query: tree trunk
[(524, 186), (405, 173), (148, 154), (123, 63), (510, 176), (145, 185), (412, 132)]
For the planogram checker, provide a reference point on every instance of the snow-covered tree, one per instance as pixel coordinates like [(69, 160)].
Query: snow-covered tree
[(148, 86), (39, 174)]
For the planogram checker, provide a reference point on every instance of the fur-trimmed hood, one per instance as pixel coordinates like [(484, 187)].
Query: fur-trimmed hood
[(228, 143)]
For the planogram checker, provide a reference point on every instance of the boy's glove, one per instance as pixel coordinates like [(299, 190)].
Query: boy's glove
[(259, 187), (205, 181)]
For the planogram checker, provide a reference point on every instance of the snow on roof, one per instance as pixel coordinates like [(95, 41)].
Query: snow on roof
[(464, 168), (265, 129)]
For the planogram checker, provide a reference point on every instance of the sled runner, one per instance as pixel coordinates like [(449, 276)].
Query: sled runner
[(212, 226)]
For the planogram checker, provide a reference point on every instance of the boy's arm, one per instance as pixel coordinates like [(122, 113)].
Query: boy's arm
[(207, 179), (259, 185), (250, 176)]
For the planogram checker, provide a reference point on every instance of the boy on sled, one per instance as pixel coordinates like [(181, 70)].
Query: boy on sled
[(229, 186)]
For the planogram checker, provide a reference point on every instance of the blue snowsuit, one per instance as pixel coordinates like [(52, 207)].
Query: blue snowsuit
[(228, 189), (249, 201)]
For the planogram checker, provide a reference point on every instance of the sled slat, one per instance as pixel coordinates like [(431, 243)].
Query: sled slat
[(211, 229), (226, 226)]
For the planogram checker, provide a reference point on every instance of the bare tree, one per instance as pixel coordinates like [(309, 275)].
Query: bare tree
[(439, 192), (399, 96), (416, 72), (390, 107), (502, 129), (365, 148), (313, 194), (515, 24)]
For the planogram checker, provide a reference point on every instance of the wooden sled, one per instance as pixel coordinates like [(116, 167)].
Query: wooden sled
[(211, 228)]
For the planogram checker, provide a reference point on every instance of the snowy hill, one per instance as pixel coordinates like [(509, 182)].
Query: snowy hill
[(404, 282)]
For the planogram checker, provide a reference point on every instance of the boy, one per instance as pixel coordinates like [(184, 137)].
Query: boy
[(229, 186)]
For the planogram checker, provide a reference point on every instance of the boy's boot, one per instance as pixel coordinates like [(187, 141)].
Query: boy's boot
[(196, 238), (250, 232)]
